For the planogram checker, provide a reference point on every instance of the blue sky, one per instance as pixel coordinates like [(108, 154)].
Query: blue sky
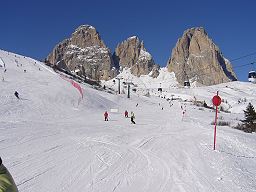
[(33, 28)]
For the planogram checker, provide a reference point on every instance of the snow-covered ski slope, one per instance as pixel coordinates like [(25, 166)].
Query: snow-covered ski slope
[(52, 140)]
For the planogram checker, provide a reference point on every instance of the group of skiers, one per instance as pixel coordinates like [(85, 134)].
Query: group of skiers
[(132, 115), (125, 115)]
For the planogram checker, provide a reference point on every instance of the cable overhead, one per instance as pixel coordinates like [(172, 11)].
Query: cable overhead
[(245, 64), (250, 54)]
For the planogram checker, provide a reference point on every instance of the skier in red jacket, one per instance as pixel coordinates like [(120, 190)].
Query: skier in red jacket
[(126, 114), (106, 116)]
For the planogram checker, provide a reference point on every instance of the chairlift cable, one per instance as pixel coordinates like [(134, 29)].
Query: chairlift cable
[(244, 56)]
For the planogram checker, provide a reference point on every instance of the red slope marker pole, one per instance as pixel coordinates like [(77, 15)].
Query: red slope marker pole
[(216, 101), (215, 129)]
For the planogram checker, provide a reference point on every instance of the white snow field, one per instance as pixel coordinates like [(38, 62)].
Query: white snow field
[(52, 140)]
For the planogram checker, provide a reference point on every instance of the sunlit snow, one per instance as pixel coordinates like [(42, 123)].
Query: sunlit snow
[(53, 140)]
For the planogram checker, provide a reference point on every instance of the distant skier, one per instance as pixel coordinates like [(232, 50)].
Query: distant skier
[(132, 118), (126, 114), (205, 105), (16, 94), (106, 116), (7, 183), (137, 104)]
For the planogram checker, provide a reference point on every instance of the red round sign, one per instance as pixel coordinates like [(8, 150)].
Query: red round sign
[(216, 100)]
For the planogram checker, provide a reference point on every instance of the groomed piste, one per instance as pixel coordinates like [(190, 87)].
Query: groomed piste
[(54, 138)]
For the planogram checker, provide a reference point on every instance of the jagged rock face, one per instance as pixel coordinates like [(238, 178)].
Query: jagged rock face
[(132, 54), (84, 53), (155, 71), (196, 58)]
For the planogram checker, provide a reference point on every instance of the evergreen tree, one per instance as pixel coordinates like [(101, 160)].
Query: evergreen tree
[(249, 122)]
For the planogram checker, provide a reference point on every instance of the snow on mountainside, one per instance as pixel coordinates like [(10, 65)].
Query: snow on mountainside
[(144, 83), (231, 92), (54, 140)]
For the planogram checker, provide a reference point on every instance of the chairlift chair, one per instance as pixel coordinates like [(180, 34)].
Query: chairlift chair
[(252, 76)]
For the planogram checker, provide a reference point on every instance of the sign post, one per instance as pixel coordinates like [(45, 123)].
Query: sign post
[(216, 100)]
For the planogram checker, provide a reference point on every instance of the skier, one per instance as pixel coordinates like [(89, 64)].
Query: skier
[(6, 181), (106, 116), (16, 94), (126, 114), (132, 118), (205, 105)]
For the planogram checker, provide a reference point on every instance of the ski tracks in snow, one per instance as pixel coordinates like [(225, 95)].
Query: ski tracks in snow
[(125, 167)]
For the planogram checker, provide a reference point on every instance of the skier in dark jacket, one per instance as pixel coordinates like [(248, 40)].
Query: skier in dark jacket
[(7, 183), (16, 94), (132, 118)]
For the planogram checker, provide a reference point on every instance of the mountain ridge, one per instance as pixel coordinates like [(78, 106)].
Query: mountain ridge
[(98, 63)]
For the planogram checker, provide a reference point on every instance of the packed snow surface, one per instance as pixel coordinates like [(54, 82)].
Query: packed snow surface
[(53, 140)]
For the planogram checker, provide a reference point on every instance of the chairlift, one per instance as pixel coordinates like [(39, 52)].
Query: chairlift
[(186, 84), (252, 76)]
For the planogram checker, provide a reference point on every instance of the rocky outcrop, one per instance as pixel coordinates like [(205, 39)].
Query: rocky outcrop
[(85, 54), (196, 58), (132, 54)]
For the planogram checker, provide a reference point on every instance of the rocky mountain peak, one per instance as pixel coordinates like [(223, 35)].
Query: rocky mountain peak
[(86, 36), (195, 57), (85, 54), (132, 54), (193, 30)]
